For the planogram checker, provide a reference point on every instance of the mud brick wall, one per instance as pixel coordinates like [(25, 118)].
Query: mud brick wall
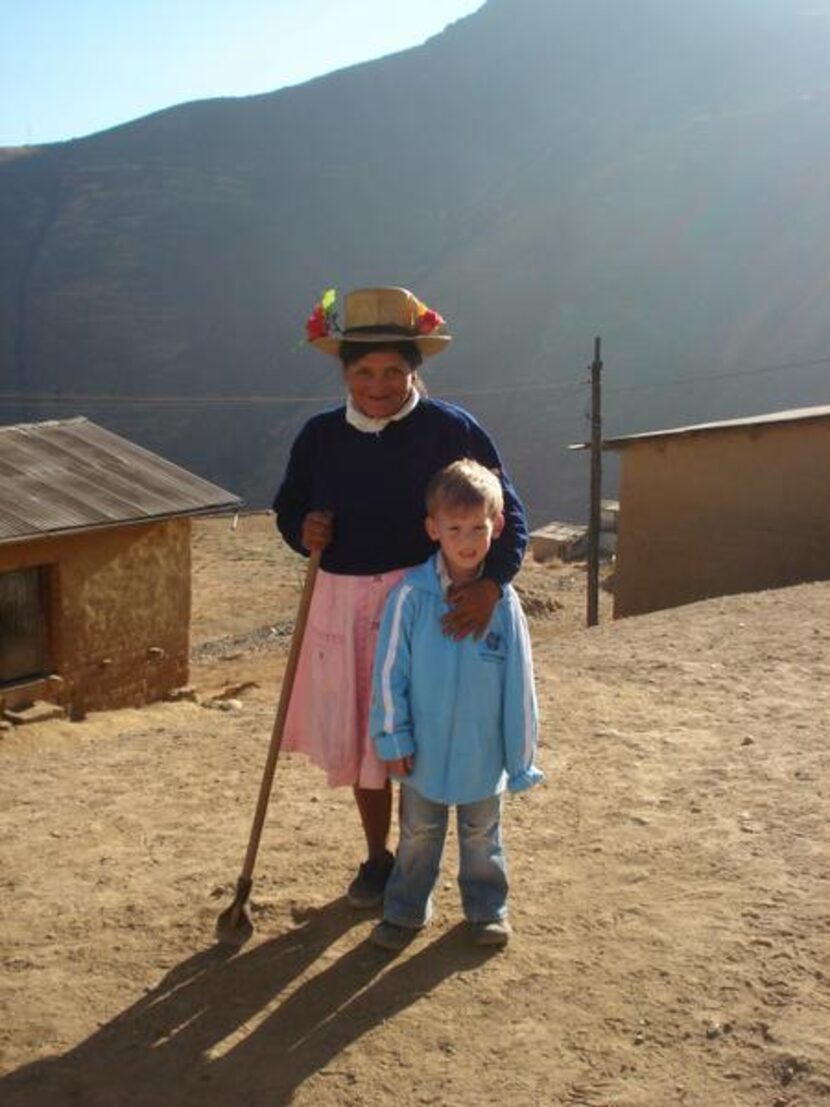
[(737, 509), (118, 613)]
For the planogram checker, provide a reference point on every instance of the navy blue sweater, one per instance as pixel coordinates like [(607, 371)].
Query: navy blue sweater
[(374, 485)]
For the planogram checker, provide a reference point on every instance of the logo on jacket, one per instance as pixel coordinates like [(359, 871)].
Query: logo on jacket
[(492, 648)]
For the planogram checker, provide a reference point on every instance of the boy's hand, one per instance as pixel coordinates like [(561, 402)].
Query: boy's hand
[(471, 608), (401, 766), (318, 530)]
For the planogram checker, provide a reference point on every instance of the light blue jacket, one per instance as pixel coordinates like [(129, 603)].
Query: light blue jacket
[(466, 710)]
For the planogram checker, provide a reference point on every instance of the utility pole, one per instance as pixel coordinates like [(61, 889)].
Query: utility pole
[(596, 488)]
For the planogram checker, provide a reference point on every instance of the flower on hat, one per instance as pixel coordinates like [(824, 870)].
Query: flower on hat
[(323, 319), (428, 320)]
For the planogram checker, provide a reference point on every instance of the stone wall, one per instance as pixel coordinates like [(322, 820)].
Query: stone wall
[(118, 613)]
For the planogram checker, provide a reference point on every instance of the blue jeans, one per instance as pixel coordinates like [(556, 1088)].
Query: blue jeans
[(482, 875)]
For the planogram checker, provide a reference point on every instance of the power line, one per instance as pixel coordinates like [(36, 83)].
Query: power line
[(722, 376), (254, 400), (169, 400), (563, 386), (207, 400)]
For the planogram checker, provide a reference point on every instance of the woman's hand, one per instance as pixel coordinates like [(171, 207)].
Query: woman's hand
[(471, 608), (401, 766), (318, 530)]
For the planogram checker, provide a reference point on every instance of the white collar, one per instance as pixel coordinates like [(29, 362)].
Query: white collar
[(443, 572), (365, 423)]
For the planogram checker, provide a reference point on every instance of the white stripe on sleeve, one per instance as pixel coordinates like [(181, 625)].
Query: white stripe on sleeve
[(389, 661)]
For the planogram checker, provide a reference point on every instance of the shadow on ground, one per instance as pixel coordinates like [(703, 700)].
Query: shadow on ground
[(214, 1030)]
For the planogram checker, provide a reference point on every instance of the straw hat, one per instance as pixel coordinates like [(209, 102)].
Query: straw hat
[(379, 315)]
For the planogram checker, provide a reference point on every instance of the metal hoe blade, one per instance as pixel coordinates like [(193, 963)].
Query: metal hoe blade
[(234, 926)]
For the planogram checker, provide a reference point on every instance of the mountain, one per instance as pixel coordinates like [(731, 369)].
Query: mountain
[(544, 171)]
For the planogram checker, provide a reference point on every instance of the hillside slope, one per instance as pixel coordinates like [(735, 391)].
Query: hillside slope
[(543, 171)]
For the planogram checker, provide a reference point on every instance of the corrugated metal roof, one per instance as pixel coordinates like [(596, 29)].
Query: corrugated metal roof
[(71, 474), (794, 415)]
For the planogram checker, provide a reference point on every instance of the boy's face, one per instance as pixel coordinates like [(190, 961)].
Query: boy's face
[(466, 535)]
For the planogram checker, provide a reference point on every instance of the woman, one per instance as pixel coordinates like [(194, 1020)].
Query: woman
[(354, 488)]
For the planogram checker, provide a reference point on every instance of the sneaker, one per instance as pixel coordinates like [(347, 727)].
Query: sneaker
[(494, 933), (390, 936), (366, 890)]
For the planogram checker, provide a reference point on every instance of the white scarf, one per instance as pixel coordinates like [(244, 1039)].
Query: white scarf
[(365, 423)]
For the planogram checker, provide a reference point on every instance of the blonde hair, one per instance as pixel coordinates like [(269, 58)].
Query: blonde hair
[(463, 485)]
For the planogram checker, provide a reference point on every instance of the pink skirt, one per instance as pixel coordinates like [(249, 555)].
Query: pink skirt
[(328, 718)]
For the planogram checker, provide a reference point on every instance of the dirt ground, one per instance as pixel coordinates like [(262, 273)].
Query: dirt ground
[(670, 880)]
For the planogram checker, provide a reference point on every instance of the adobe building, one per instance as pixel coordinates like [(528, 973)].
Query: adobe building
[(94, 567), (719, 508)]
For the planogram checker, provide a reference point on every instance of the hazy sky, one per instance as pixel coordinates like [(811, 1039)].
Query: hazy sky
[(72, 67)]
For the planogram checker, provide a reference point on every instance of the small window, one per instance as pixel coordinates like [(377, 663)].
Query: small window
[(23, 637)]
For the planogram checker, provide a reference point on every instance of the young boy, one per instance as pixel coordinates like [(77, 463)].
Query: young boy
[(454, 720)]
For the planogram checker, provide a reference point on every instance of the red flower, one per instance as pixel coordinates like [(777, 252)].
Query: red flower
[(428, 321), (317, 324)]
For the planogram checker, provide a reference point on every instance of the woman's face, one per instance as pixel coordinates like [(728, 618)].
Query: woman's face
[(379, 383)]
